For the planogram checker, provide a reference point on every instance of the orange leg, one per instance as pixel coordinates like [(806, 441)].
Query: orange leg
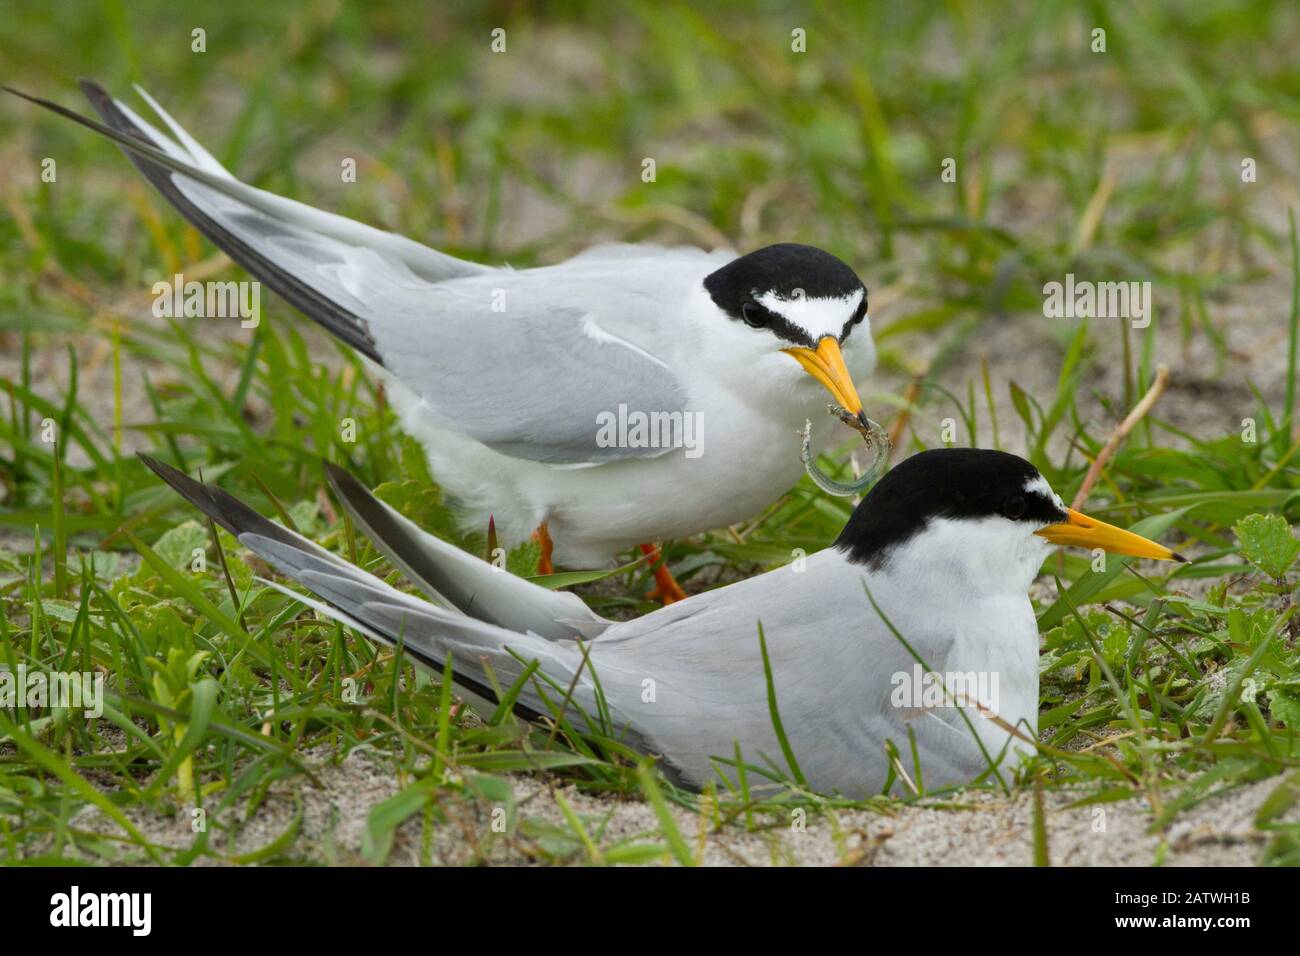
[(543, 537), (666, 589)]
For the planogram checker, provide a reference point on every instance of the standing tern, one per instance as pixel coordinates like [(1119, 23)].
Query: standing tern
[(939, 554), (630, 394)]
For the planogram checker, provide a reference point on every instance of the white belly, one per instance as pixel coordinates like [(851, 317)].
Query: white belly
[(747, 460)]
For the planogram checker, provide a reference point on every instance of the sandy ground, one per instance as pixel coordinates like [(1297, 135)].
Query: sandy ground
[(986, 828), (976, 828)]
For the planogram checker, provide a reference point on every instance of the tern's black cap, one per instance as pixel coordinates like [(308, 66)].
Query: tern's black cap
[(943, 483), (787, 270)]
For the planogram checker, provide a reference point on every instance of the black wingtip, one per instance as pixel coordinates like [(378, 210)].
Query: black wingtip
[(159, 167), (344, 483), (159, 468), (221, 506), (103, 103), (92, 90), (1179, 558), (26, 96), (180, 482), (196, 493)]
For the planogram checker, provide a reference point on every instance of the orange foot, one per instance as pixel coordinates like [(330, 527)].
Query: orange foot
[(666, 589), (543, 537)]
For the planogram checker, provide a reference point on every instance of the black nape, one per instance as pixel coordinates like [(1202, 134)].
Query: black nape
[(787, 270)]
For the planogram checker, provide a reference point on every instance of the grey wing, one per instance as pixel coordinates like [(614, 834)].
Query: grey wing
[(834, 665), (521, 363), (703, 660), (302, 253), (458, 578), (529, 381), (483, 652), (710, 683)]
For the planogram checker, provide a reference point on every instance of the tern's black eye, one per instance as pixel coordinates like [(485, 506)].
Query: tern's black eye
[(755, 315), (860, 314), (1014, 508)]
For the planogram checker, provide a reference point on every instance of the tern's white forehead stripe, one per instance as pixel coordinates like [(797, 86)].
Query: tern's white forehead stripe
[(1038, 485), (816, 316)]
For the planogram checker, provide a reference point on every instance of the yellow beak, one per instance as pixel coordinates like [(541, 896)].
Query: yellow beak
[(826, 364), (1085, 532)]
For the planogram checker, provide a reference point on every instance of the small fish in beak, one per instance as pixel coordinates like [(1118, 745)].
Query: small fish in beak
[(876, 439)]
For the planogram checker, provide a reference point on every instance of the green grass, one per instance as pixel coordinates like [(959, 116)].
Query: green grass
[(218, 686)]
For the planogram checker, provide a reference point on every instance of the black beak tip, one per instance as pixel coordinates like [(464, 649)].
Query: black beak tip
[(1179, 558)]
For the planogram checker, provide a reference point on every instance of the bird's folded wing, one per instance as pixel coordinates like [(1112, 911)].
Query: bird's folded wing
[(539, 376), (461, 580), (515, 360), (483, 653)]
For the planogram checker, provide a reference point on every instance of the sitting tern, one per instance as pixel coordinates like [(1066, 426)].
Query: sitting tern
[(632, 393), (939, 554)]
